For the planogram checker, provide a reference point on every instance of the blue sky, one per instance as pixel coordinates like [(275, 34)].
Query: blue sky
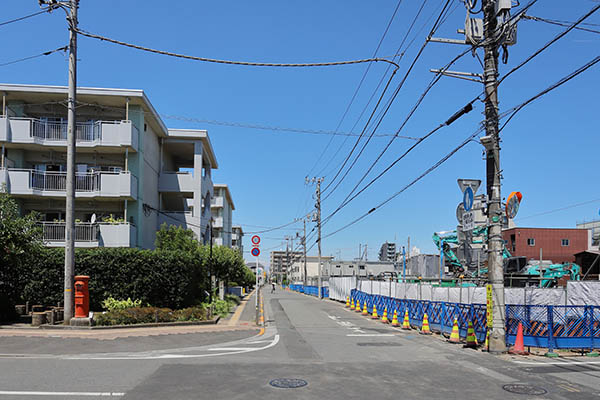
[(549, 150)]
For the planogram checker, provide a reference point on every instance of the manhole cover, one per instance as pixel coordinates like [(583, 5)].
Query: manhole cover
[(524, 389), (288, 383), (382, 344)]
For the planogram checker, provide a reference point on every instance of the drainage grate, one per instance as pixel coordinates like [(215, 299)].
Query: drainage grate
[(288, 383), (382, 344), (524, 389)]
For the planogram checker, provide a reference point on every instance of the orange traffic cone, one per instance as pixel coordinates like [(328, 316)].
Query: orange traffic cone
[(471, 338), (374, 315), (406, 322), (347, 301), (364, 311), (519, 348), (384, 319), (455, 335), (358, 309), (395, 319), (425, 327), (352, 305), (486, 345)]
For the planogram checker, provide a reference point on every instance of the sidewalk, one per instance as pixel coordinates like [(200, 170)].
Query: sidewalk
[(241, 320)]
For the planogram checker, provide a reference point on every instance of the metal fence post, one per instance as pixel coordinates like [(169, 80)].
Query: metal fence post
[(550, 319)]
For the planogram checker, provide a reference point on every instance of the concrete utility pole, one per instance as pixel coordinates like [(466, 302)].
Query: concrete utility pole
[(304, 243), (71, 143), (318, 206), (491, 142)]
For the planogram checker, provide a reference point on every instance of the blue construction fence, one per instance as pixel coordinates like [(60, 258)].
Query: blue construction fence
[(552, 327), (310, 290)]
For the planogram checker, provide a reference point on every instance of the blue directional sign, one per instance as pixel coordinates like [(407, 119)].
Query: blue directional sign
[(468, 198)]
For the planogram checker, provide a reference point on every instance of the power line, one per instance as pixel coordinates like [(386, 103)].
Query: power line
[(469, 139), (231, 62), (359, 86), (561, 23), (559, 209), (548, 44), (27, 16), (401, 84), (271, 128), (46, 53)]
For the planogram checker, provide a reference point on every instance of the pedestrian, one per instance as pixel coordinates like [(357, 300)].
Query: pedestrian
[(273, 287)]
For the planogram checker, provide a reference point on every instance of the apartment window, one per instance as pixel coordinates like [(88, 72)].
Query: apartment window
[(531, 242), (361, 267), (564, 242)]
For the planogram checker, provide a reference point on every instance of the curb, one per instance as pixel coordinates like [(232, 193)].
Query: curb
[(150, 325)]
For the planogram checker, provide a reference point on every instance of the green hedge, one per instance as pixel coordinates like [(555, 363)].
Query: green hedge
[(160, 278), (145, 315)]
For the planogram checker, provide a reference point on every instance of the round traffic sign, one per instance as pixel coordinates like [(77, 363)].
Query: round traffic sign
[(512, 204), (255, 239), (255, 252), (468, 198)]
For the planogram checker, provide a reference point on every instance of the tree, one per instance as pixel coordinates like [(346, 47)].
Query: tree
[(20, 239), (175, 238)]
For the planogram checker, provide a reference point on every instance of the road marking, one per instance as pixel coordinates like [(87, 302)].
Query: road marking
[(556, 362), (89, 394), (371, 334), (152, 356)]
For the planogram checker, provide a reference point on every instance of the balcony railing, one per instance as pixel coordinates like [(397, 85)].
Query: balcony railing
[(55, 232), (90, 184), (87, 134), (57, 181)]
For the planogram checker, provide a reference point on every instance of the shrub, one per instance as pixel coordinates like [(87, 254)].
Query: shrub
[(146, 315), (233, 299), (112, 304)]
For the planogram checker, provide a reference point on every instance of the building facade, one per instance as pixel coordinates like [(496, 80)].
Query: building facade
[(296, 270), (237, 237), (359, 268), (557, 245), (132, 173), (387, 252), (222, 212), (281, 260)]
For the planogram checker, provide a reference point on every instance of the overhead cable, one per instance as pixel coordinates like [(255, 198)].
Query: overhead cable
[(232, 62), (46, 53)]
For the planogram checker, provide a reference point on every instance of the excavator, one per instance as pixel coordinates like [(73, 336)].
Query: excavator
[(515, 266)]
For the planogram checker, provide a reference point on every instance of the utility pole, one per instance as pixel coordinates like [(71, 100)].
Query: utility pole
[(304, 243), (318, 204), (491, 142), (71, 143)]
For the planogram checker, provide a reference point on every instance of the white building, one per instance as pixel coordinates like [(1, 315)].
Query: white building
[(133, 174), (237, 238), (296, 271), (222, 209)]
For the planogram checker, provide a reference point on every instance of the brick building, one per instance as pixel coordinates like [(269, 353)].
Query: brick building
[(558, 245)]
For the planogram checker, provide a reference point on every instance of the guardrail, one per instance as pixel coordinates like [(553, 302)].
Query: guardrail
[(310, 290), (57, 181), (84, 132)]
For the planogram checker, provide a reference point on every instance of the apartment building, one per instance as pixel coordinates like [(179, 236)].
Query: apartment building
[(237, 239), (222, 209), (387, 252), (132, 172)]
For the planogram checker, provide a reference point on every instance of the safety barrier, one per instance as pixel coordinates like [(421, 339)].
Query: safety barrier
[(310, 290), (552, 327)]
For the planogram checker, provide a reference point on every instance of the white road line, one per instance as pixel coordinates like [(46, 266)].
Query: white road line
[(372, 334), (231, 349), (145, 356), (88, 394), (555, 362)]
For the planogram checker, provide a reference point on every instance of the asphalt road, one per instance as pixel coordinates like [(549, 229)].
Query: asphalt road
[(338, 353)]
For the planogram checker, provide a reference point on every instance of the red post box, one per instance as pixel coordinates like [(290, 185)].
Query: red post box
[(82, 297)]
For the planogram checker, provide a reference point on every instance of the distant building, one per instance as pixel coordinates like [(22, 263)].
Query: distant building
[(423, 265), (359, 268), (281, 260), (221, 207), (237, 236), (387, 252), (296, 270), (557, 244), (594, 227)]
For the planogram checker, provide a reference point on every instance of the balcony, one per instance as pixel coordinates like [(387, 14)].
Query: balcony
[(27, 182), (88, 134), (176, 182), (218, 222), (216, 202), (91, 235)]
